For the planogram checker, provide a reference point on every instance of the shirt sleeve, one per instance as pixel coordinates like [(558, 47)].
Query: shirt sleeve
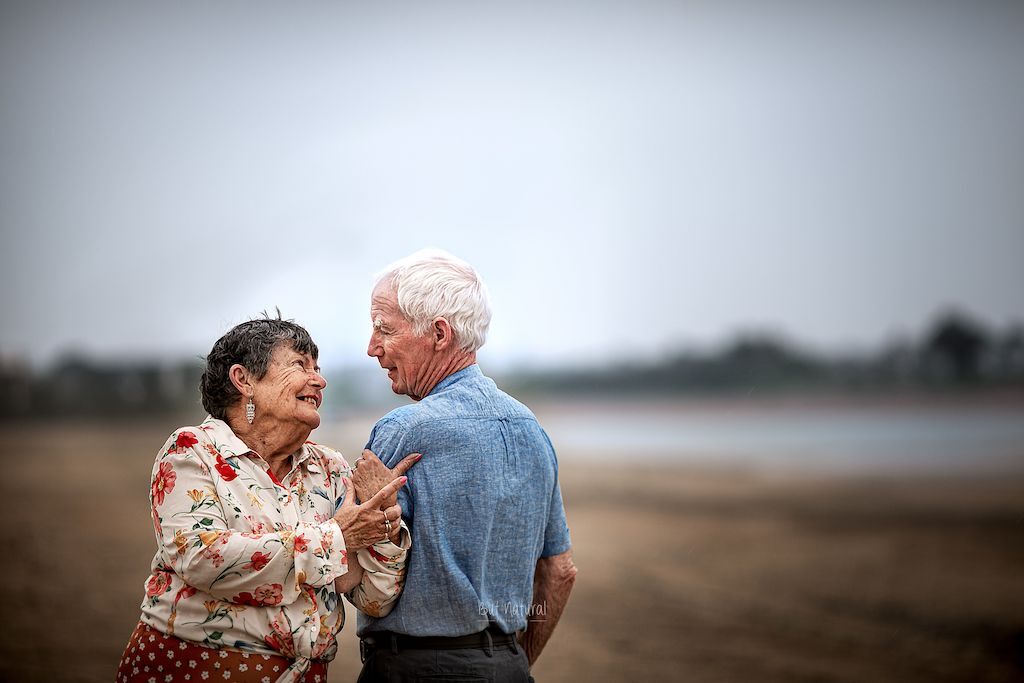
[(383, 575), (556, 532), (197, 543), (389, 442)]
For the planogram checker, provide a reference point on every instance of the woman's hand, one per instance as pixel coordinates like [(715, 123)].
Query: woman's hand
[(370, 475), (364, 524)]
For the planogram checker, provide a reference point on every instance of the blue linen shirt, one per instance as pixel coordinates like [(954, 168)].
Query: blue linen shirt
[(483, 504)]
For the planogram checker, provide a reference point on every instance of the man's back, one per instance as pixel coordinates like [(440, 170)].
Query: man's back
[(483, 505)]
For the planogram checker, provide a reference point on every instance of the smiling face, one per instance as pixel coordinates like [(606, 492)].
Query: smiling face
[(292, 390), (409, 358)]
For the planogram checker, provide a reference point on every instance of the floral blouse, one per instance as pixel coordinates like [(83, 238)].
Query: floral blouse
[(248, 562)]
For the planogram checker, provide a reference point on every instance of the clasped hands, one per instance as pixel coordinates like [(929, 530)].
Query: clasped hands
[(379, 516)]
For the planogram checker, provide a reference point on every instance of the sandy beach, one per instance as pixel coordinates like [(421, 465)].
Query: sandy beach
[(685, 574)]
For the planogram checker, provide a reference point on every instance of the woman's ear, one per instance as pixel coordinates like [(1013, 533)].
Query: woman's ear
[(240, 377), (444, 335)]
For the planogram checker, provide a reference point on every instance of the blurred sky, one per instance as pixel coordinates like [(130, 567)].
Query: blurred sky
[(629, 177)]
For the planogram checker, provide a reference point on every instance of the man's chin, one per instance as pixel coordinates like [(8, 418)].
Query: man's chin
[(402, 391)]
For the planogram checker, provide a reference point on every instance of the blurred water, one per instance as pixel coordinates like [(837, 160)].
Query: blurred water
[(884, 438), (947, 439)]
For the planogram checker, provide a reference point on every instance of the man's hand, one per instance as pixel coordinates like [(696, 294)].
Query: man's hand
[(364, 524), (370, 475), (552, 582)]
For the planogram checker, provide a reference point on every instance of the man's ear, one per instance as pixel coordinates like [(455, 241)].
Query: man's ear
[(242, 380), (444, 335)]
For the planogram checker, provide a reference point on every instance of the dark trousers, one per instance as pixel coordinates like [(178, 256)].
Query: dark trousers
[(385, 662)]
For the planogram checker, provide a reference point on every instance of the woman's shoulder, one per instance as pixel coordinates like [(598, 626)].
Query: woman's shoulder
[(196, 438), (181, 440)]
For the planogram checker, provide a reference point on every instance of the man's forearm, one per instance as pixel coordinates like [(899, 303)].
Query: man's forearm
[(552, 583)]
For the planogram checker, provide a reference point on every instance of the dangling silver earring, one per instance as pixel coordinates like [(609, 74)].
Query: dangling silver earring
[(250, 411)]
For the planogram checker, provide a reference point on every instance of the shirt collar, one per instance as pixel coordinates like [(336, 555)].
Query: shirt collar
[(225, 439), (229, 444), (471, 372)]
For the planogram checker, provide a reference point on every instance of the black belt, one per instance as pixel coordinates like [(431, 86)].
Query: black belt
[(489, 638)]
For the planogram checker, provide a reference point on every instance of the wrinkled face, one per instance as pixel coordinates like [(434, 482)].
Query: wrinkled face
[(407, 357), (292, 390)]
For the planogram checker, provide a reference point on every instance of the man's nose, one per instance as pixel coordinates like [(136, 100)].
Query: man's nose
[(319, 379), (373, 348)]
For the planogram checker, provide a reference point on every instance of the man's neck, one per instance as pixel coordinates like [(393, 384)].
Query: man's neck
[(447, 368)]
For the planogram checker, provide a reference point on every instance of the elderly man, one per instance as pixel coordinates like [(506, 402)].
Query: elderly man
[(492, 568)]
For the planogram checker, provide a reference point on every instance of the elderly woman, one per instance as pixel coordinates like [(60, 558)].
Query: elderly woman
[(258, 531)]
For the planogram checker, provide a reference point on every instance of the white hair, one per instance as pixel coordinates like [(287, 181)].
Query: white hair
[(433, 284)]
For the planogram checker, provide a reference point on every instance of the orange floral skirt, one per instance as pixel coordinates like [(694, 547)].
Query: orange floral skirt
[(155, 657)]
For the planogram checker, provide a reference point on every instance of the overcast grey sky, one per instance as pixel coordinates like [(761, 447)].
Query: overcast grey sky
[(628, 176)]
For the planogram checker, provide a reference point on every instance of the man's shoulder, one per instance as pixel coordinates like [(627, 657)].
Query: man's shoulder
[(483, 400), (457, 406), (503, 405), (401, 425), (514, 406), (403, 417)]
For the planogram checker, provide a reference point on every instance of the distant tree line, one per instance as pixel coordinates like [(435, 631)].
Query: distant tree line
[(955, 353), (79, 387)]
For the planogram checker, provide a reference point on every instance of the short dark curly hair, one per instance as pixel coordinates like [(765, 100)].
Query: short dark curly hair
[(250, 344)]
